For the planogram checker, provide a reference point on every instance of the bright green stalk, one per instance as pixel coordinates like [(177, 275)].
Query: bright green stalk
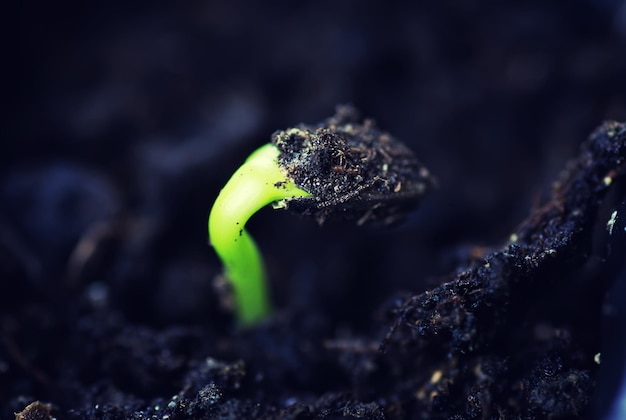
[(257, 183)]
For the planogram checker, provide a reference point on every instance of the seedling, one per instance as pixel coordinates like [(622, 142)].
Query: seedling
[(340, 169)]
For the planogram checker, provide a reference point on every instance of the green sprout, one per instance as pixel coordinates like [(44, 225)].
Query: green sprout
[(342, 169), (257, 183)]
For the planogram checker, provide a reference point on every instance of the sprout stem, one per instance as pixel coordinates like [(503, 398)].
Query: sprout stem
[(257, 183)]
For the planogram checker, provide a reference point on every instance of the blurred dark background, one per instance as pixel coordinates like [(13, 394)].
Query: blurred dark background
[(123, 120)]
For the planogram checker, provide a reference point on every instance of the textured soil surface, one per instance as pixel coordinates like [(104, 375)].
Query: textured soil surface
[(491, 300)]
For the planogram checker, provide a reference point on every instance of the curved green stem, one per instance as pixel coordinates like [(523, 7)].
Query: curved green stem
[(255, 184)]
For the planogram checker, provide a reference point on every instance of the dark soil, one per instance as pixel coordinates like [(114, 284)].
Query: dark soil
[(492, 300)]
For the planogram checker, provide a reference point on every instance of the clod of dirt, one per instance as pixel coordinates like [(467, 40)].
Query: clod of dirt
[(35, 411), (514, 335), (353, 170)]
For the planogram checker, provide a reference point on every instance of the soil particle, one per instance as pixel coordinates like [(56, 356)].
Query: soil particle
[(35, 411)]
